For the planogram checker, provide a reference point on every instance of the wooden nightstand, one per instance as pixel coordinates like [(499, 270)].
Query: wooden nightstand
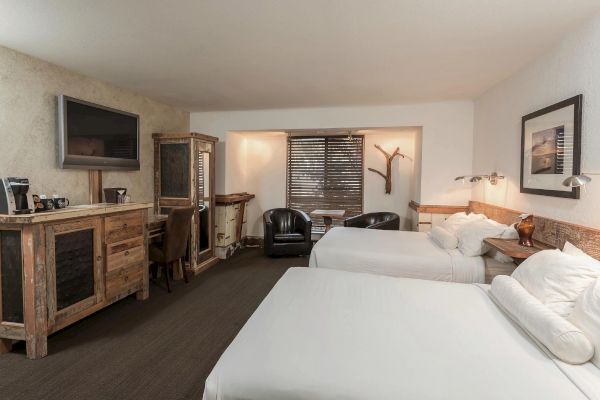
[(512, 248)]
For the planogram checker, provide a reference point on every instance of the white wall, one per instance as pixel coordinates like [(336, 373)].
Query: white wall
[(256, 163), (403, 187), (447, 141), (571, 68), (259, 163)]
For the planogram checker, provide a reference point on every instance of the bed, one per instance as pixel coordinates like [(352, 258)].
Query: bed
[(328, 334), (394, 253)]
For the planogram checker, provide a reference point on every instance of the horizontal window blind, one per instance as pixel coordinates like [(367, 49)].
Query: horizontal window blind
[(325, 172)]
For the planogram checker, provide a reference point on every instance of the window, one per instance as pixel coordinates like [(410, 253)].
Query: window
[(325, 172)]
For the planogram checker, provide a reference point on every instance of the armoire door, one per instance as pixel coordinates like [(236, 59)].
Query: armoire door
[(174, 172)]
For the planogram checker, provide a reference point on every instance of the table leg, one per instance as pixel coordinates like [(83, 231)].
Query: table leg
[(327, 221)]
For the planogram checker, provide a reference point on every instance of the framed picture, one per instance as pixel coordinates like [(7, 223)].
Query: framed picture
[(551, 149)]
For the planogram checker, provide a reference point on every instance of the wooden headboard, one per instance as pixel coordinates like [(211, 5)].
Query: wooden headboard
[(547, 230)]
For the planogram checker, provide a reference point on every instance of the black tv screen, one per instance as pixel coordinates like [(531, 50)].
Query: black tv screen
[(92, 136)]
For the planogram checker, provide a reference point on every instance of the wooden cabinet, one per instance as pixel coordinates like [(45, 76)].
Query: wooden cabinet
[(59, 267), (184, 175), (125, 255), (231, 222), (75, 270)]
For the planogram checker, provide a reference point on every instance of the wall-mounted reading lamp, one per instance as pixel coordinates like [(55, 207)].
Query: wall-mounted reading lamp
[(493, 178), (578, 180)]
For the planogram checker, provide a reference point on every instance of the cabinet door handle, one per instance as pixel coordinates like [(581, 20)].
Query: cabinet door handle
[(99, 258), (124, 226), (126, 252)]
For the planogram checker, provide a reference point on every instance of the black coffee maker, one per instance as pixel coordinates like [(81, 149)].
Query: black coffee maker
[(14, 196)]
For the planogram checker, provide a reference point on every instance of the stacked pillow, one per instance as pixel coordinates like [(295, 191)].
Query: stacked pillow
[(455, 221), (560, 336), (471, 235), (443, 238), (586, 316), (557, 278), (445, 234), (555, 296), (467, 232)]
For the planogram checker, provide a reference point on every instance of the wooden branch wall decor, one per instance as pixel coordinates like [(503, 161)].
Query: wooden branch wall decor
[(389, 159)]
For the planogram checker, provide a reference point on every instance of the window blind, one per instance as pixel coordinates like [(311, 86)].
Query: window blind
[(325, 172)]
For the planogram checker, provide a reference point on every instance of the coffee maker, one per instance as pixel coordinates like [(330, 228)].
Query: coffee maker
[(14, 198)]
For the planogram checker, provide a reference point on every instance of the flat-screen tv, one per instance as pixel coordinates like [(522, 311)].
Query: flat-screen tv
[(92, 136)]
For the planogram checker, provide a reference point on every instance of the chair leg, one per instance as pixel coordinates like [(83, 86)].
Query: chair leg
[(185, 275), (154, 270), (166, 270)]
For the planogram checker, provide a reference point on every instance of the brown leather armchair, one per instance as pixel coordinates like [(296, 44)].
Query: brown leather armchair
[(379, 220), (287, 232)]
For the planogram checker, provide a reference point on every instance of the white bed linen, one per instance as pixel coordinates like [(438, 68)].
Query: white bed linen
[(326, 334), (394, 253)]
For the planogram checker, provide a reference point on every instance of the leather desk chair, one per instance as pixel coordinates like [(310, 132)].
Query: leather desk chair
[(174, 245)]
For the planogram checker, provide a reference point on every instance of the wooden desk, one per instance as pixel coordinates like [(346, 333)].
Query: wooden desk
[(512, 248), (156, 226), (328, 216)]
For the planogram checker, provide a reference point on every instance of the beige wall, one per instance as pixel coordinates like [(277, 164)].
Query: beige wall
[(256, 163), (28, 126), (569, 69)]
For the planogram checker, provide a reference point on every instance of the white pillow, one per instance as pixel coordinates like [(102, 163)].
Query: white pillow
[(470, 236), (510, 233), (557, 278), (561, 337), (443, 238), (500, 257), (586, 315), (455, 221), (570, 248)]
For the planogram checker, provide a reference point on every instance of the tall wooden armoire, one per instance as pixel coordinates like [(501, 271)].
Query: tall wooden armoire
[(184, 174)]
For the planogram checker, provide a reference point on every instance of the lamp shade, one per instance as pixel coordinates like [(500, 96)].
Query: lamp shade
[(577, 181)]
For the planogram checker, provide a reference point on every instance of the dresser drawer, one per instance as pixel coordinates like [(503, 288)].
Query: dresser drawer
[(123, 281), (123, 226), (125, 253)]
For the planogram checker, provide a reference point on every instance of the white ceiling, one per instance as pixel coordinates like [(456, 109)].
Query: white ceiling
[(252, 54)]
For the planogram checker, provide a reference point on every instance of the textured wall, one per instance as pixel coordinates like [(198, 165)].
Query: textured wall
[(569, 69), (28, 126)]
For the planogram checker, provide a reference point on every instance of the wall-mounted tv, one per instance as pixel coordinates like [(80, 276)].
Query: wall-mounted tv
[(92, 136)]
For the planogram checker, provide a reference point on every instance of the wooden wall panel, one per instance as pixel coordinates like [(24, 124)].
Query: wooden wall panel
[(547, 230)]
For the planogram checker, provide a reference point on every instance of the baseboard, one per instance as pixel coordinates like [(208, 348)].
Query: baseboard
[(253, 241)]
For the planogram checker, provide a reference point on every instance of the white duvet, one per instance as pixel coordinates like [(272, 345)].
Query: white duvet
[(394, 253), (326, 334)]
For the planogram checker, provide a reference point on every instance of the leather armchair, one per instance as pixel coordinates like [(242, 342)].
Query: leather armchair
[(378, 220), (287, 232)]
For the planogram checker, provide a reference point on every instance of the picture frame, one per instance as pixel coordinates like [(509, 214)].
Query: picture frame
[(551, 149)]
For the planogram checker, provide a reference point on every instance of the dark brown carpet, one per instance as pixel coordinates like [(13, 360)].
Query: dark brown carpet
[(161, 348)]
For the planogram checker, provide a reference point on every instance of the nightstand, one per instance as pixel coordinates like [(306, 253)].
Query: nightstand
[(512, 248)]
